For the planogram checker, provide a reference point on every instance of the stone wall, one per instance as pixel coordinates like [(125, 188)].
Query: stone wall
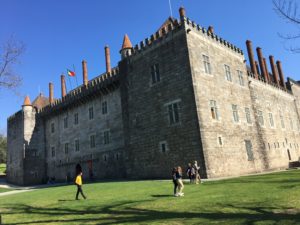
[(105, 160), (224, 139), (153, 144)]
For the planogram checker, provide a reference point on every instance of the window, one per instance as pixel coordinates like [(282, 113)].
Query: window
[(206, 63), (248, 145), (173, 111), (106, 137), (92, 141), (214, 110), (241, 78), (66, 122), (228, 73), (76, 118), (91, 113), (235, 113), (163, 146), (260, 118), (104, 107), (66, 148), (52, 128), (155, 73), (248, 116), (281, 120), (52, 152), (220, 141), (76, 145), (271, 119)]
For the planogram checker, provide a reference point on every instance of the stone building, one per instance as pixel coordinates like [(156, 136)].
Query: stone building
[(183, 94)]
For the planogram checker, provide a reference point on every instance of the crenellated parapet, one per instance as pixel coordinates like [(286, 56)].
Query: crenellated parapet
[(100, 85)]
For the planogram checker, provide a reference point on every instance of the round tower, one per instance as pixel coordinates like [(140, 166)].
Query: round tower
[(126, 47)]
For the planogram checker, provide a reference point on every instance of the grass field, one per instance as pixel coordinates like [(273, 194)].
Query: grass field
[(2, 168), (265, 199)]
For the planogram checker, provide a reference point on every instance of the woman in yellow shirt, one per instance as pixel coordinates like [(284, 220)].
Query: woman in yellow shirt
[(78, 182)]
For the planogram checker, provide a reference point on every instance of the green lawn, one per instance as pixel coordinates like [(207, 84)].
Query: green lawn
[(264, 199), (2, 168), (4, 190)]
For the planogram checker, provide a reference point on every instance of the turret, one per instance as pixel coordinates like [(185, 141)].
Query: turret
[(126, 47), (29, 119)]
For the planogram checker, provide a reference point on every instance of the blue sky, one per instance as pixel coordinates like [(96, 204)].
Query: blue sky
[(60, 33)]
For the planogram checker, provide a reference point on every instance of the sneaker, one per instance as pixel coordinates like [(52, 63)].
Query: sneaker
[(176, 195)]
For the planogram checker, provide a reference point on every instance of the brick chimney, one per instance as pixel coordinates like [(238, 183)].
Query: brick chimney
[(261, 63), (251, 59), (63, 86), (267, 71), (84, 73), (257, 67), (181, 12), (274, 69), (51, 98), (281, 75), (107, 59)]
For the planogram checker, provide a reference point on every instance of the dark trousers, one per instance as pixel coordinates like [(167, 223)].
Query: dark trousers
[(175, 186), (79, 190)]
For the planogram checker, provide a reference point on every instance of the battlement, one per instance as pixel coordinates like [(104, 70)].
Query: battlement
[(13, 116), (271, 84), (99, 84)]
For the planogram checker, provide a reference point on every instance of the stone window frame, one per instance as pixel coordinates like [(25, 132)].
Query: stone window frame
[(214, 110), (104, 107), (92, 141), (65, 122), (235, 113), (260, 118), (105, 157), (174, 113), (291, 123), (52, 149), (271, 120), (52, 127), (77, 145), (106, 137), (241, 78), (76, 118), (91, 112), (249, 149), (207, 64), (163, 147), (66, 148), (228, 74), (155, 74), (248, 116), (281, 120)]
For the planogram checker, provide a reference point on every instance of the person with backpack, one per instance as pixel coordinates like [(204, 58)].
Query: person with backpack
[(78, 182)]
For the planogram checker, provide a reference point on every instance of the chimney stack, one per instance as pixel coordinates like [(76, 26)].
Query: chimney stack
[(84, 73), (211, 29), (261, 63), (274, 69), (251, 59), (107, 59), (281, 75), (181, 12), (267, 71), (257, 67), (63, 86), (51, 98)]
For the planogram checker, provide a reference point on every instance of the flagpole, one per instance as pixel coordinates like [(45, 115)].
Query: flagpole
[(170, 8), (75, 75), (69, 80)]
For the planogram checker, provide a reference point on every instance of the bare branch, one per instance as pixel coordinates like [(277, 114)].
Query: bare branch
[(10, 53)]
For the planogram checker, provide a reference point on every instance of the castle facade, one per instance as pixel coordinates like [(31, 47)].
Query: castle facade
[(183, 94)]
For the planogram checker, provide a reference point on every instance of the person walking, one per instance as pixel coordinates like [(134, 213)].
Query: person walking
[(174, 170), (179, 182), (78, 182), (197, 175), (189, 172)]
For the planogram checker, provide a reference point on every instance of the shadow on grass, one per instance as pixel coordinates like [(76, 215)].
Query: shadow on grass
[(162, 196), (127, 212)]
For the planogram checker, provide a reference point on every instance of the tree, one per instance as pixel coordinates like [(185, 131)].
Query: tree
[(3, 148), (288, 10), (10, 53)]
